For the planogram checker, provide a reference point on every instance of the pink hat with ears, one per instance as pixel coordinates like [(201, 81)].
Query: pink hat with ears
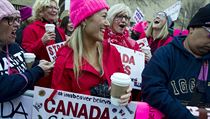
[(7, 9), (82, 9)]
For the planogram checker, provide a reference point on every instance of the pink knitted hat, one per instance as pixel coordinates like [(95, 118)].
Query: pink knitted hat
[(25, 13), (81, 9), (138, 27), (6, 9)]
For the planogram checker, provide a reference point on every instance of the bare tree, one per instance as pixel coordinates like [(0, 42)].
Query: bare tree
[(188, 10)]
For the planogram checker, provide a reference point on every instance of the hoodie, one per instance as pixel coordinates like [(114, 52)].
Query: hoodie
[(15, 79), (169, 79)]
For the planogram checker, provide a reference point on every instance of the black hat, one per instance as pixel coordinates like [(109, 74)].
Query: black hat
[(201, 18)]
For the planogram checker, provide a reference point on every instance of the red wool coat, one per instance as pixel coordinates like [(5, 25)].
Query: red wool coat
[(63, 75), (32, 42)]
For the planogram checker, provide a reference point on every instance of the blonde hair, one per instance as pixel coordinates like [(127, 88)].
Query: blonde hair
[(163, 33), (39, 7), (116, 9), (76, 43)]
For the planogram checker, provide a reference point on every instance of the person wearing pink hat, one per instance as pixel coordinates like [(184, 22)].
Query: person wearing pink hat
[(85, 64), (15, 78), (36, 38), (137, 31), (26, 19)]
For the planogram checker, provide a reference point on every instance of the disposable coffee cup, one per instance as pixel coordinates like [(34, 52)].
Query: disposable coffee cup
[(29, 59), (146, 49), (120, 84), (49, 27)]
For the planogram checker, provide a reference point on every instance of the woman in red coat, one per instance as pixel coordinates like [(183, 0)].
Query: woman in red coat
[(86, 63), (35, 38)]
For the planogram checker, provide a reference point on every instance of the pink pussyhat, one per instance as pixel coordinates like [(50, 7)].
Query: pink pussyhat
[(138, 27), (145, 111), (82, 9), (7, 9)]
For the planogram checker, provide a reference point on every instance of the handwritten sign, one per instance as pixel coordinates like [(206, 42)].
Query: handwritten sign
[(67, 105), (19, 108), (52, 49), (133, 62), (174, 10), (138, 15)]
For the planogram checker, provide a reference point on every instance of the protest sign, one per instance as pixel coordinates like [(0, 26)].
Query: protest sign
[(68, 105), (174, 10), (138, 15), (19, 108), (52, 50), (143, 43), (133, 63)]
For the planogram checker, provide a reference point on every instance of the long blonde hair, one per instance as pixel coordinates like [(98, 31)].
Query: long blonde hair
[(76, 43), (163, 33)]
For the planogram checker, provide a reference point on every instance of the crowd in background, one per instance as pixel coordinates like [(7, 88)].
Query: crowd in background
[(176, 69)]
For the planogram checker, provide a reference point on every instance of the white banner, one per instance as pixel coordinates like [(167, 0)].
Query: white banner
[(174, 10), (133, 63), (19, 108), (52, 50), (67, 105), (138, 15)]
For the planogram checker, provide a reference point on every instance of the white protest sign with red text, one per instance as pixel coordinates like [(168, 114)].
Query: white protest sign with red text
[(19, 108), (52, 50), (68, 105), (143, 43), (133, 62)]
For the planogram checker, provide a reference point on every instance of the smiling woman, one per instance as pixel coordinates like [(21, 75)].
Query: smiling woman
[(85, 64), (36, 38)]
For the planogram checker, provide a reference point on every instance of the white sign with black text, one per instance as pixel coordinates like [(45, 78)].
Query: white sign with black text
[(19, 108), (68, 105)]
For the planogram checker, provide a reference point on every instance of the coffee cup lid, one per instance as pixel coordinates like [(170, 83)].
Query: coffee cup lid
[(50, 25), (121, 79), (31, 55)]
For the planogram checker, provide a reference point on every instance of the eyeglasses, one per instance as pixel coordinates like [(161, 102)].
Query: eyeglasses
[(120, 17), (12, 20), (207, 29), (161, 15), (53, 7)]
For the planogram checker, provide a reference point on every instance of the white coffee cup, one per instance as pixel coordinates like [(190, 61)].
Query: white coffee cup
[(146, 50), (49, 27), (120, 84), (29, 59)]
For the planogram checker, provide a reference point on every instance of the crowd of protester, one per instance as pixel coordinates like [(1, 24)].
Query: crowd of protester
[(176, 69)]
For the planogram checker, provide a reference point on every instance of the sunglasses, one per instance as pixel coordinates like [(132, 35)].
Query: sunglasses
[(12, 20), (207, 29), (161, 15)]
